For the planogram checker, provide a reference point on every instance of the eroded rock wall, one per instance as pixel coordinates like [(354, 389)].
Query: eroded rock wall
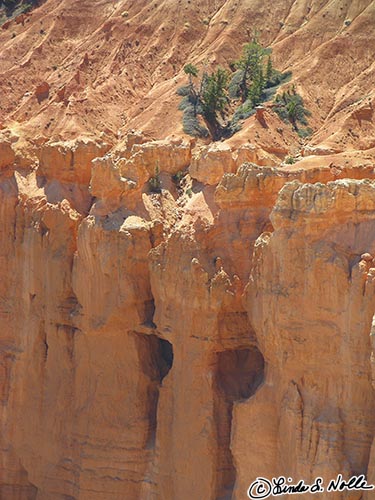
[(177, 344)]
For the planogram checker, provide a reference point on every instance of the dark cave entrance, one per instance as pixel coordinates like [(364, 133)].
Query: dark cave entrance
[(165, 358), (156, 359), (239, 373)]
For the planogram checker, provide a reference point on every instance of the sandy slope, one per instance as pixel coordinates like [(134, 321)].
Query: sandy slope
[(115, 65)]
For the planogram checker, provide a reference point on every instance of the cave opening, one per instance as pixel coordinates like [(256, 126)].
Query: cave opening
[(156, 360), (165, 358), (239, 374)]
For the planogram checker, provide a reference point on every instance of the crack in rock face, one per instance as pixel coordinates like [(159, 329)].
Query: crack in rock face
[(239, 374)]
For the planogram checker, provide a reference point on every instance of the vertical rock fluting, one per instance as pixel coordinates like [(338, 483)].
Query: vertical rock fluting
[(37, 338), (197, 280), (216, 362), (118, 373), (14, 480), (138, 360), (311, 300)]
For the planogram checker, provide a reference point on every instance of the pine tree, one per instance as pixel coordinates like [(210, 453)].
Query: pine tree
[(207, 97), (214, 100), (250, 65), (269, 71), (290, 108), (191, 70)]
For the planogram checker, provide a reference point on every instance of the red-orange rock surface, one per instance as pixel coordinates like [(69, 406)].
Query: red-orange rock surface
[(178, 317)]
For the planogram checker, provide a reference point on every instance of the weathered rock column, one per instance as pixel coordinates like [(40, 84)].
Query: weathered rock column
[(311, 300)]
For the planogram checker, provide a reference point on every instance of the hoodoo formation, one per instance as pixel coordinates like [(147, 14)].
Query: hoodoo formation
[(187, 257)]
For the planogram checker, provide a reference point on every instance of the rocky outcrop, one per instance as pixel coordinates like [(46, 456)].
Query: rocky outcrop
[(178, 317), (210, 163), (70, 162), (177, 344), (310, 298), (7, 155), (42, 92), (119, 181)]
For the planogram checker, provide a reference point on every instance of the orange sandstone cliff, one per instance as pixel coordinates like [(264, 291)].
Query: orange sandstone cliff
[(177, 345)]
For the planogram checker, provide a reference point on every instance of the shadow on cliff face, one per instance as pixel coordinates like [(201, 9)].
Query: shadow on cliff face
[(19, 492), (239, 373), (23, 491), (156, 360)]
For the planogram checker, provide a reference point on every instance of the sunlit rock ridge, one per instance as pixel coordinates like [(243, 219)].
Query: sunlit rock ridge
[(180, 316)]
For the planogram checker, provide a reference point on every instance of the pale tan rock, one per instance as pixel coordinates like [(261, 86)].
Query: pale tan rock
[(246, 153), (120, 181), (367, 257), (170, 156), (210, 163), (269, 322), (108, 184), (7, 155), (320, 150), (131, 138), (70, 161), (277, 379), (321, 431), (251, 185)]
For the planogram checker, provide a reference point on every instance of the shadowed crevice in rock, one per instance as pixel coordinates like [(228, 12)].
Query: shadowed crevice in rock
[(166, 351), (7, 360), (24, 490), (8, 491), (149, 311), (239, 373), (68, 333), (156, 360)]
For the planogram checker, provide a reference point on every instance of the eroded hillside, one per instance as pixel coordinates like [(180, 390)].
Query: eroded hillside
[(180, 316)]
